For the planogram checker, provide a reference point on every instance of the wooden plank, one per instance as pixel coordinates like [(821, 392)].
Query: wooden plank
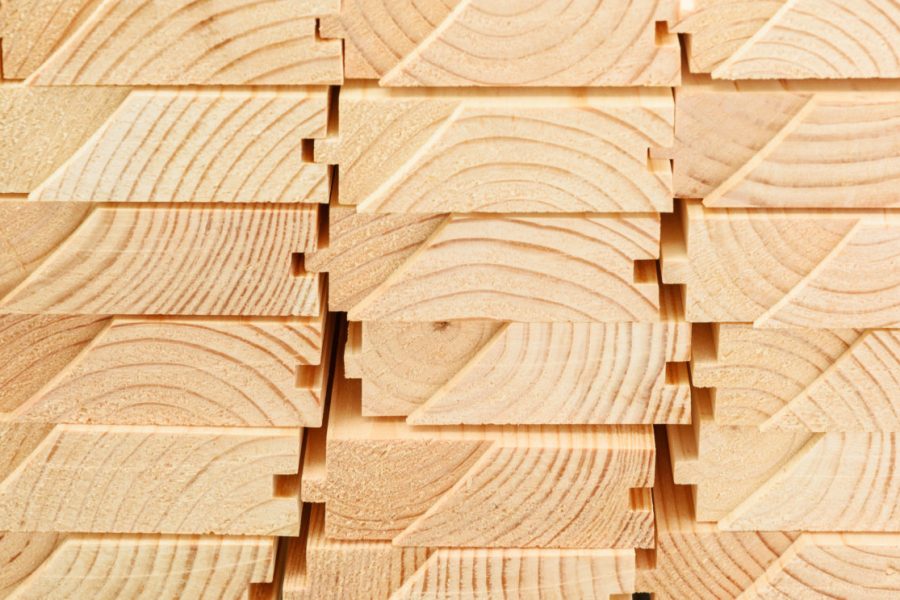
[(790, 145), (848, 565), (73, 258), (181, 145), (560, 487), (372, 570), (812, 269), (796, 39), (478, 42), (166, 371), (496, 150), (808, 379), (747, 480), (107, 567), (169, 42), (123, 479), (481, 372), (163, 145), (510, 267)]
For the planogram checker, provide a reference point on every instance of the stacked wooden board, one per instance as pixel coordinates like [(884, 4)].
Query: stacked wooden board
[(426, 300), (162, 348)]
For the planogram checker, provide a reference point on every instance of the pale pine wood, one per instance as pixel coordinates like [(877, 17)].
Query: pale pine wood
[(176, 42), (693, 560), (814, 269), (430, 151), (366, 570), (64, 258), (791, 145), (171, 145), (836, 565), (486, 42), (792, 39), (477, 372), (809, 379), (120, 479), (167, 371), (748, 480), (21, 554), (511, 267), (31, 29), (322, 568), (560, 487), (108, 567), (41, 128)]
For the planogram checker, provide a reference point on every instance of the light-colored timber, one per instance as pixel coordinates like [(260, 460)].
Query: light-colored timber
[(163, 144), (168, 42), (791, 39), (319, 568), (497, 150), (164, 371), (481, 372), (807, 379), (507, 43), (76, 258), (49, 566), (748, 480), (776, 268), (145, 479), (501, 267), (788, 144), (699, 561), (559, 487)]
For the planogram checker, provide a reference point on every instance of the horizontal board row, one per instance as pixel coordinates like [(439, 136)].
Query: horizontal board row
[(689, 561), (785, 269), (744, 479), (51, 566), (106, 144), (117, 259), (428, 151), (776, 268), (149, 479), (492, 372), (435, 43), (200, 372)]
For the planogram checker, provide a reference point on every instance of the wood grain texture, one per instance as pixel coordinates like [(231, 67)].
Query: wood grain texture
[(560, 487), (39, 130), (119, 479), (178, 42), (748, 480), (176, 145), (107, 567), (367, 570), (693, 560), (812, 269), (511, 267), (490, 43), (808, 379), (167, 371), (432, 151), (838, 565), (61, 258), (480, 372), (792, 39), (30, 30), (790, 145)]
